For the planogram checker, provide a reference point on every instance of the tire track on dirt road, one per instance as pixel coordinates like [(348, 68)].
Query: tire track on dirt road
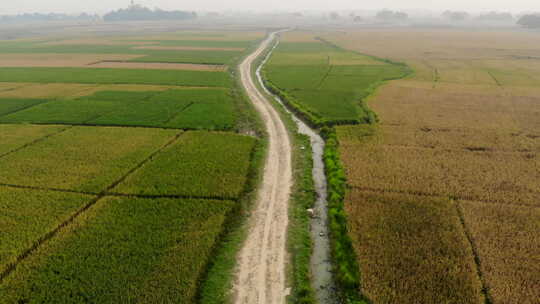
[(261, 273)]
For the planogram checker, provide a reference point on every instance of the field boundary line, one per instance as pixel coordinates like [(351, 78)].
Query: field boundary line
[(438, 195), (113, 126), (477, 261), (25, 108), (119, 194), (328, 71), (49, 235), (495, 79), (172, 196), (179, 112), (46, 189), (35, 141)]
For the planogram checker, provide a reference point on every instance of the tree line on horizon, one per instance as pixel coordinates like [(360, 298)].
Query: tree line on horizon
[(137, 12), (134, 12)]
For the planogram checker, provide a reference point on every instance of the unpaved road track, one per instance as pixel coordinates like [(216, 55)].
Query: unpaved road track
[(261, 264)]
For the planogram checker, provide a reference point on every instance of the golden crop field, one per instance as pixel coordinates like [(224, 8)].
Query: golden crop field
[(463, 131)]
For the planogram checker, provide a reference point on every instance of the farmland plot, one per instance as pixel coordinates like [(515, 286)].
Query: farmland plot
[(210, 109), (102, 200), (14, 137), (327, 83), (200, 164), (193, 51), (84, 159), (8, 106), (465, 129), (27, 215), (121, 251), (115, 76), (508, 244), (412, 249), (480, 175)]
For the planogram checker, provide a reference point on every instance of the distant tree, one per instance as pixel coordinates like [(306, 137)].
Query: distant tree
[(137, 12), (456, 15), (530, 21), (495, 16), (298, 14), (388, 15), (358, 19), (37, 17), (334, 16)]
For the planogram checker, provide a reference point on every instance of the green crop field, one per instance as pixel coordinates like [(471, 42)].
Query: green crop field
[(13, 137), (188, 56), (8, 106), (115, 76), (27, 215), (216, 56), (200, 164), (207, 109), (105, 194), (324, 83), (82, 158), (124, 250), (205, 43)]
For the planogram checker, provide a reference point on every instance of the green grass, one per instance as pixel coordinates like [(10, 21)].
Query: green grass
[(11, 105), (16, 136), (328, 86), (116, 76), (124, 250), (207, 109), (200, 164), (26, 215), (82, 158)]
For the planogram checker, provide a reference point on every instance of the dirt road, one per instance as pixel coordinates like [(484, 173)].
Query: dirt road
[(261, 264)]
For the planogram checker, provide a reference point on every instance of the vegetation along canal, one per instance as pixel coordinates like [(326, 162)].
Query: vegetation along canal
[(321, 263)]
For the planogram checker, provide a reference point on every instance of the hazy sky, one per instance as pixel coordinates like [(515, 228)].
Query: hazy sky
[(100, 6)]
